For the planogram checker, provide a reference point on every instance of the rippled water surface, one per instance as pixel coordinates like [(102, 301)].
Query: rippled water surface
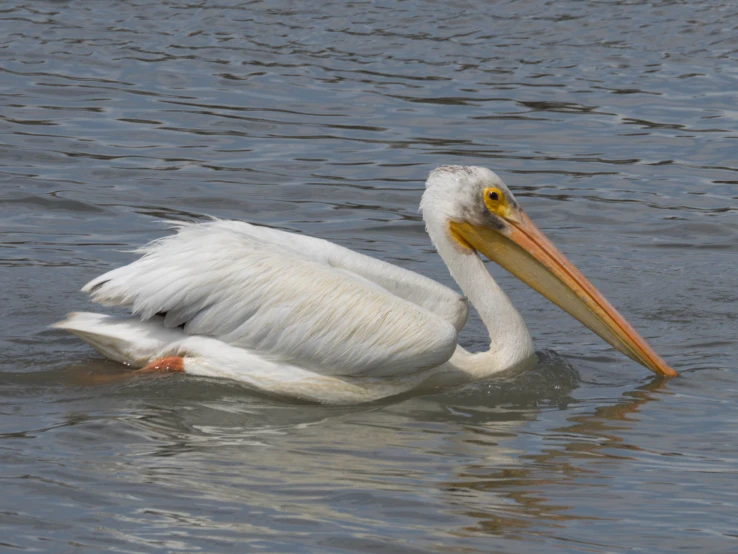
[(615, 124)]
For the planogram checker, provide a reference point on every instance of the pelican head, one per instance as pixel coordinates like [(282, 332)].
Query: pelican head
[(477, 213)]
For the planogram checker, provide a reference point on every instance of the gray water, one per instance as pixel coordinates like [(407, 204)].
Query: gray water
[(615, 124)]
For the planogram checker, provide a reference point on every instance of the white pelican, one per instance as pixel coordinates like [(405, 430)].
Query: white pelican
[(299, 316)]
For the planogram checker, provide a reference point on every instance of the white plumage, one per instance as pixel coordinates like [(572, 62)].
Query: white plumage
[(299, 316), (311, 303)]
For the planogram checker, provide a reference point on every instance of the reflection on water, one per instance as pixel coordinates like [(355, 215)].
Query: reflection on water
[(481, 468), (521, 489), (614, 123)]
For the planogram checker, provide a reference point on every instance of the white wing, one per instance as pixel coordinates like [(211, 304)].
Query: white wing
[(290, 297)]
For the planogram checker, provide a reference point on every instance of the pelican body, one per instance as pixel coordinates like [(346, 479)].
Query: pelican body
[(298, 316)]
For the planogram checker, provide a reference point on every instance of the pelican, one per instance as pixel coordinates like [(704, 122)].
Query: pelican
[(298, 316)]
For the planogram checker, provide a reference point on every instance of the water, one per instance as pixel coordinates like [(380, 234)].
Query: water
[(615, 124)]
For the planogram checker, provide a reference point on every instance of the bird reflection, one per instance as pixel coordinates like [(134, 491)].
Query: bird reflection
[(491, 458), (509, 497)]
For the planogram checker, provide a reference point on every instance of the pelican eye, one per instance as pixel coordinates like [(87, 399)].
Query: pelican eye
[(494, 201)]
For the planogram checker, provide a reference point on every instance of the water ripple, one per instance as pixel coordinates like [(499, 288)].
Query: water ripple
[(614, 122)]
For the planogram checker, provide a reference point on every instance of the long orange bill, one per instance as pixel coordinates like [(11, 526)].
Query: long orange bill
[(524, 251)]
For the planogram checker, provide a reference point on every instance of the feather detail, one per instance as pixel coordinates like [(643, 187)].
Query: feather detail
[(298, 299)]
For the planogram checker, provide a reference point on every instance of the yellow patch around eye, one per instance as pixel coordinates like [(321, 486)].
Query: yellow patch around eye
[(495, 201)]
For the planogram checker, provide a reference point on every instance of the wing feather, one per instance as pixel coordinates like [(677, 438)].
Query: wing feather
[(408, 285), (307, 302)]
